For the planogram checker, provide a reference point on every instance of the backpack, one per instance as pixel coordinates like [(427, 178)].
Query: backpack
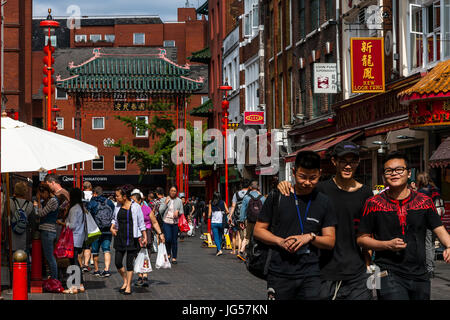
[(104, 215), (254, 208), (19, 219), (237, 209), (259, 254)]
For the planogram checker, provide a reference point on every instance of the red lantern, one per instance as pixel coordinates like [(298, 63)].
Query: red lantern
[(46, 48), (45, 90), (46, 82), (225, 105), (45, 60), (45, 70)]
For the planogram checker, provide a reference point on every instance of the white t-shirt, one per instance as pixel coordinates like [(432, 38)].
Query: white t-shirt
[(87, 196), (216, 216)]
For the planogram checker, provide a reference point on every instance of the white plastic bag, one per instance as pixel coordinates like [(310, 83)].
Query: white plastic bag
[(155, 244), (92, 232), (162, 261), (191, 232), (142, 263)]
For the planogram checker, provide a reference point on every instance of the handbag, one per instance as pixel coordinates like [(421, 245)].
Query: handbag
[(183, 224), (52, 286), (64, 246), (259, 254), (92, 231), (142, 263)]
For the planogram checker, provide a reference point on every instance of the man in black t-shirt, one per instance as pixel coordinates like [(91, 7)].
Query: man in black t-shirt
[(343, 269), (304, 222), (394, 224)]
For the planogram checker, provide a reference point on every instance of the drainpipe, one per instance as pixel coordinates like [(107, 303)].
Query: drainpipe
[(338, 47), (2, 56)]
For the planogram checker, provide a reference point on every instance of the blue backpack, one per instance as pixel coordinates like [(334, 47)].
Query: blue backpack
[(19, 219)]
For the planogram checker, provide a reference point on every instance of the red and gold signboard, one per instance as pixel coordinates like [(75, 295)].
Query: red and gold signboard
[(254, 118), (429, 113), (367, 63)]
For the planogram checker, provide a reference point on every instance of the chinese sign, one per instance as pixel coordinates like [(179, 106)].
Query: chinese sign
[(132, 106), (431, 113), (367, 63), (325, 76), (254, 118)]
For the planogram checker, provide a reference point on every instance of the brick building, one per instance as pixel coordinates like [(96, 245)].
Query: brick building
[(16, 59), (132, 52)]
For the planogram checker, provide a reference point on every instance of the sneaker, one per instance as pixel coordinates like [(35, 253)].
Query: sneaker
[(145, 282), (139, 282), (106, 273), (85, 269), (98, 274)]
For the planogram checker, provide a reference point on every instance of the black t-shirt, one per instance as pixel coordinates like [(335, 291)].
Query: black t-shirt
[(346, 260), (406, 219), (320, 215)]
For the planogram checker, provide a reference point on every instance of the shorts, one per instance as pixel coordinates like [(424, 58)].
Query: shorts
[(249, 230), (103, 242)]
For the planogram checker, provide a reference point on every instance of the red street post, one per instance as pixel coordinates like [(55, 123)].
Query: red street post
[(20, 281), (225, 106)]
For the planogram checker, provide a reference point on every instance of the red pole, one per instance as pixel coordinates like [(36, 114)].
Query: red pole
[(20, 281)]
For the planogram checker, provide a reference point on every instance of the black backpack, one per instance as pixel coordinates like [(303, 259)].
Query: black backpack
[(254, 208), (237, 209), (259, 253), (104, 215)]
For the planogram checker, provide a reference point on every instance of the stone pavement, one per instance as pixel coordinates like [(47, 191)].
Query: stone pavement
[(200, 275)]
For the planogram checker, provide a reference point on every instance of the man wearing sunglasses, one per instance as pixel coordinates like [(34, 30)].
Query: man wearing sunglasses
[(394, 225), (343, 269)]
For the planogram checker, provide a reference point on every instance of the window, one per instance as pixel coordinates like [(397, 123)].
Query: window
[(95, 37), (110, 37), (169, 43), (142, 133), (302, 74), (330, 9), (315, 97), (80, 38), (280, 28), (80, 165), (274, 122), (281, 95), (301, 20), (204, 99), (429, 31), (52, 39), (251, 18), (120, 163), (138, 38), (289, 22), (315, 14), (252, 86), (98, 164), (98, 123), (60, 121), (61, 94)]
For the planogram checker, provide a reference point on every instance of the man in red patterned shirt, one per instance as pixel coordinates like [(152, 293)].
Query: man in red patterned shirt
[(394, 225)]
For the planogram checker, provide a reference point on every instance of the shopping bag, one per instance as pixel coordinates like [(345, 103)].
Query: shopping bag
[(142, 263), (155, 244), (64, 246), (162, 261), (52, 286), (191, 232), (183, 224), (92, 232)]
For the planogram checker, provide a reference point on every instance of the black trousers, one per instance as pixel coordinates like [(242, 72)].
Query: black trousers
[(74, 261), (394, 287), (131, 255), (306, 288), (353, 289)]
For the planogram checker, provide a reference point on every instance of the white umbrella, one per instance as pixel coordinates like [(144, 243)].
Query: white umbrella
[(26, 148)]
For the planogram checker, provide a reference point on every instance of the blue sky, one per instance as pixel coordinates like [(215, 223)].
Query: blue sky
[(166, 9)]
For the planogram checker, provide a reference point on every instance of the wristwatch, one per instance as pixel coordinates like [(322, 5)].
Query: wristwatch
[(313, 235)]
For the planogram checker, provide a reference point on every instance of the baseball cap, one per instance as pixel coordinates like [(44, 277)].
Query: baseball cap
[(346, 147)]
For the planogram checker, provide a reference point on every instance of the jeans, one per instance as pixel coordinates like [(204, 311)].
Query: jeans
[(171, 235), (306, 288), (48, 238), (394, 287), (429, 250), (217, 229)]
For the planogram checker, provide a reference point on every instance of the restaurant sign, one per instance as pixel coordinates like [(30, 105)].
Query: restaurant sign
[(367, 64), (254, 118), (429, 113)]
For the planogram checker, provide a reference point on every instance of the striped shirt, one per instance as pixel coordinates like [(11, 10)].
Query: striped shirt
[(51, 206)]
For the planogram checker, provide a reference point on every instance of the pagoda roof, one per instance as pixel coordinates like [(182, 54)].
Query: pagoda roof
[(203, 9), (204, 110), (120, 72), (201, 56)]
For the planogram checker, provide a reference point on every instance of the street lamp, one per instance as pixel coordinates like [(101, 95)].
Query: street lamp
[(225, 106), (49, 26)]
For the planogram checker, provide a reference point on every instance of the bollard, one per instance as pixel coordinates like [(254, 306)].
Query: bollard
[(36, 265), (20, 277)]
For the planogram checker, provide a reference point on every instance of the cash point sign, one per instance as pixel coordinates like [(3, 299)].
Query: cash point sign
[(254, 118), (367, 62)]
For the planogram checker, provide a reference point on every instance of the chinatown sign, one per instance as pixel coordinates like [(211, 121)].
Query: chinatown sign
[(429, 113), (367, 64), (254, 118)]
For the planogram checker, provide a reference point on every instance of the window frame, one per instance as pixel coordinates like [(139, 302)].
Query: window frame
[(54, 43), (167, 46), (82, 166), (103, 163), (90, 38), (93, 122), (110, 35), (58, 127), (146, 131), (115, 161), (84, 36), (59, 98), (134, 38)]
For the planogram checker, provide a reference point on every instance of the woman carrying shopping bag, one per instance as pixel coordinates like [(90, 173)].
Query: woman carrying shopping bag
[(129, 231), (75, 221), (171, 208)]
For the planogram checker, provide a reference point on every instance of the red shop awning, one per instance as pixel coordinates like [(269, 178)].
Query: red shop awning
[(322, 145), (441, 157)]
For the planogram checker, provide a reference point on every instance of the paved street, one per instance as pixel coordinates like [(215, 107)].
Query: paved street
[(200, 275)]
